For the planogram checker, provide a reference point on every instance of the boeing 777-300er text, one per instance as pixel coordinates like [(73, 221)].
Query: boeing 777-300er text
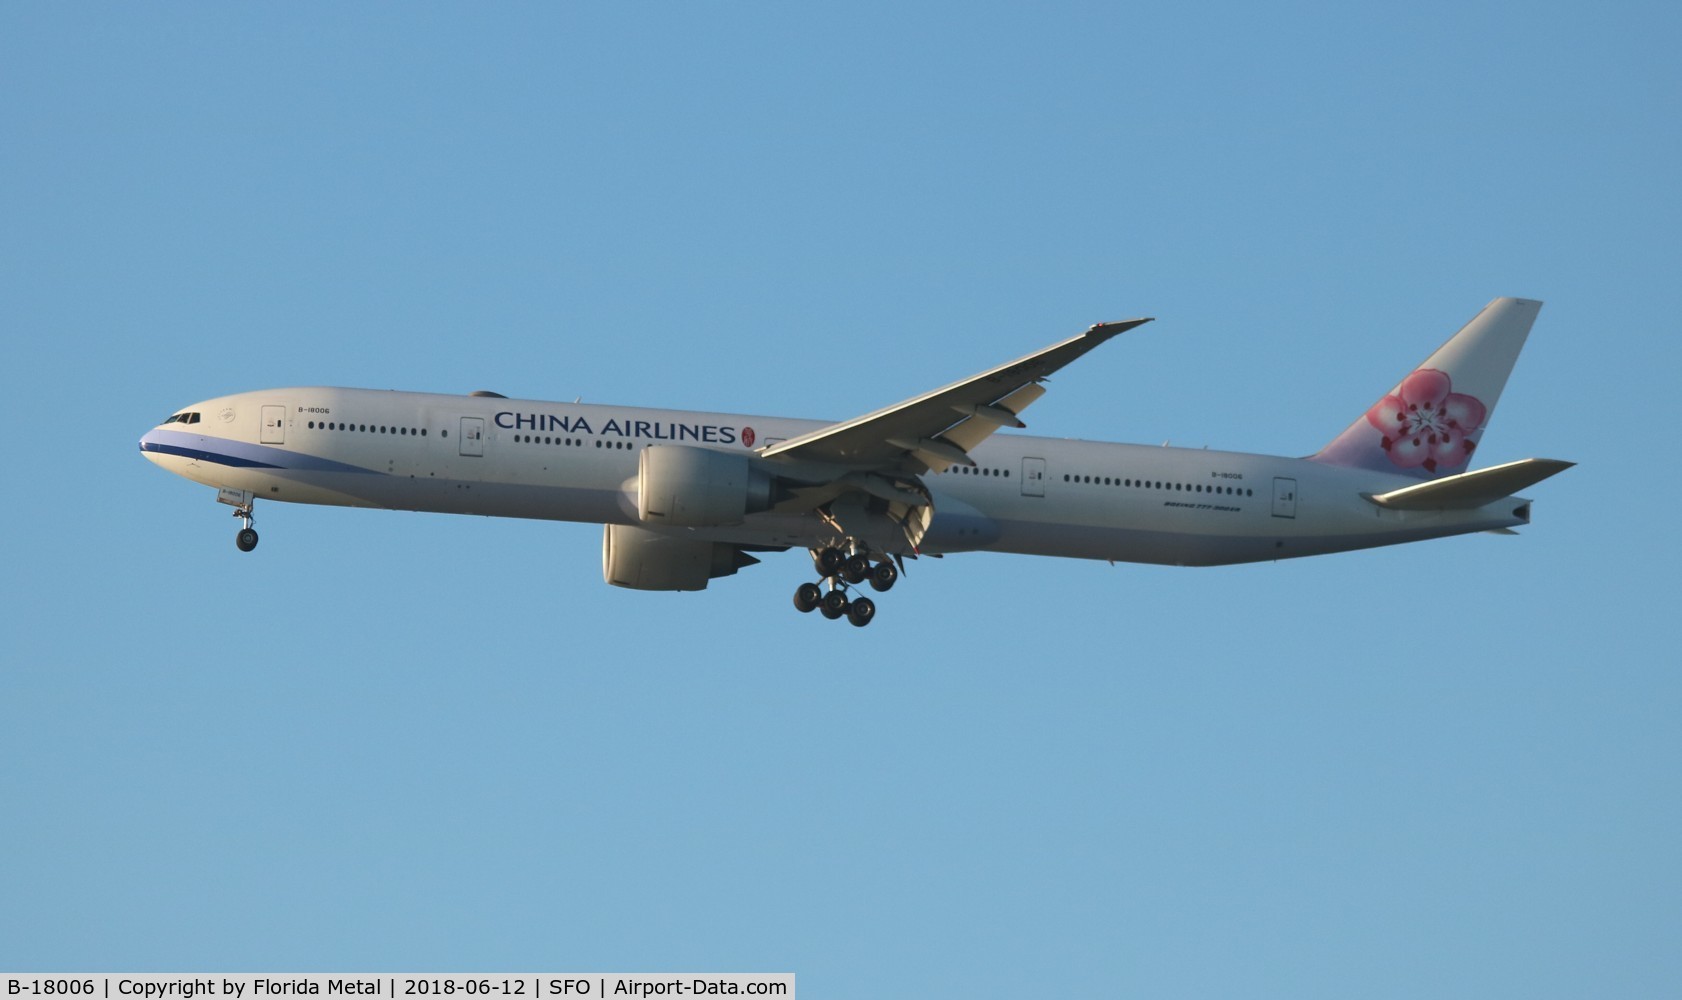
[(685, 497)]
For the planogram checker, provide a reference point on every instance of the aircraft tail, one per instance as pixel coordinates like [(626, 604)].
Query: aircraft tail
[(1430, 423)]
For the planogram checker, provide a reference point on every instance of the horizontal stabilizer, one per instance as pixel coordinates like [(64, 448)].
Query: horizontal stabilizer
[(1472, 489)]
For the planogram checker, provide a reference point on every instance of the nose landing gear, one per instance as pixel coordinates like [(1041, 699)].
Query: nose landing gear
[(247, 537), (842, 571)]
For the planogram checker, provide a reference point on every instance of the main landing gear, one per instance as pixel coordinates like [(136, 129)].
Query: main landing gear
[(247, 537), (842, 571)]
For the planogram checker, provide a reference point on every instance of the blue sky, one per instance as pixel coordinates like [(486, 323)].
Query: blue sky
[(407, 742)]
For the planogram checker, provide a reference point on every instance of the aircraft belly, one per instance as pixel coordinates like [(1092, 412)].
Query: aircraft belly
[(1261, 542), (433, 494)]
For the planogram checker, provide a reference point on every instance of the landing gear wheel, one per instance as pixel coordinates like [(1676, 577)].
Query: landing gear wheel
[(834, 604), (807, 597), (246, 539), (861, 612), (830, 560), (855, 569), (882, 576)]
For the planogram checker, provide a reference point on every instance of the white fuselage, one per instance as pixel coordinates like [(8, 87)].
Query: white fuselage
[(574, 462)]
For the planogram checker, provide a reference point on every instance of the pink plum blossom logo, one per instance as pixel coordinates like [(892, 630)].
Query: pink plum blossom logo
[(1426, 424), (747, 437)]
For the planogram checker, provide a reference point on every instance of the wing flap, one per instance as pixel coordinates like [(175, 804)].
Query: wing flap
[(1469, 490), (984, 420)]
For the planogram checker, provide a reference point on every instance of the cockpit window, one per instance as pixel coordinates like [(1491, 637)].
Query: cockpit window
[(183, 418)]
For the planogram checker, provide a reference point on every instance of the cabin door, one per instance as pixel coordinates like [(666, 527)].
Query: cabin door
[(1033, 477), (274, 425), (1284, 498), (473, 436)]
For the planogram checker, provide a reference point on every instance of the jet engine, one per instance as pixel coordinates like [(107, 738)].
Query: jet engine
[(640, 559), (690, 487)]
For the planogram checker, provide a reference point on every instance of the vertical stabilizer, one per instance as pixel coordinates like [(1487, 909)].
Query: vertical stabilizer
[(1430, 423)]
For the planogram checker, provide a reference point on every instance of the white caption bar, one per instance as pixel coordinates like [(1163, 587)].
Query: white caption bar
[(393, 986)]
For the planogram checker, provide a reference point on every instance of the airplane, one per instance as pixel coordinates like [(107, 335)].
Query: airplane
[(686, 497)]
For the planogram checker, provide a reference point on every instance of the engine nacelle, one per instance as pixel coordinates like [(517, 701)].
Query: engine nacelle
[(648, 560), (690, 487)]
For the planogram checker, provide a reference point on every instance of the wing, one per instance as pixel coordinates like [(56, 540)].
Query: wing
[(938, 429)]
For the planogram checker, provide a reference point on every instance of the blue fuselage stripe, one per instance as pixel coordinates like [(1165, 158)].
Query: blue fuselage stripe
[(200, 455), (241, 454)]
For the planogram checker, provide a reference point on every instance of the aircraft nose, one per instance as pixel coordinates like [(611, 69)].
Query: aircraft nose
[(149, 445), (166, 439)]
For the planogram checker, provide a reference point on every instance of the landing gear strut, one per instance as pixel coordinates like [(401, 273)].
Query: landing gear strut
[(247, 537), (829, 596)]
